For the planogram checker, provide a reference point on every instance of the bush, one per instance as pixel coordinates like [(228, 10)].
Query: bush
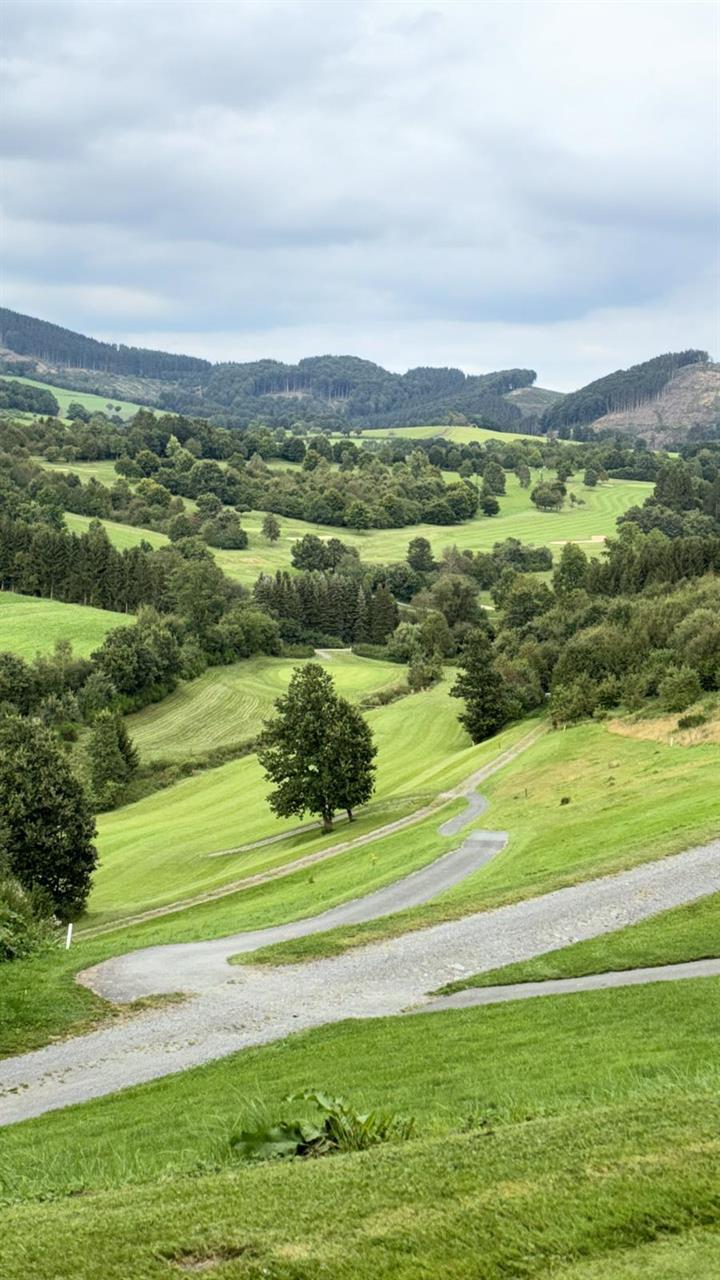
[(25, 919), (679, 689), (339, 1127), (693, 721), (296, 650), (378, 651)]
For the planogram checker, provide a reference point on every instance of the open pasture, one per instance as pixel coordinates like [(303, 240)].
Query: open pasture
[(228, 705), (30, 625), (122, 536)]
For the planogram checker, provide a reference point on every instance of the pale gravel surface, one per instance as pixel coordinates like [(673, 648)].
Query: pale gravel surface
[(235, 1008)]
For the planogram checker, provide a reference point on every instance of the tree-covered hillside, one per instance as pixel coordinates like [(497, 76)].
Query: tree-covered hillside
[(623, 389), (27, 336), (334, 391)]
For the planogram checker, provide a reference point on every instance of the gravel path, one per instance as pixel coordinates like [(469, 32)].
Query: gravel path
[(234, 1008), (568, 986)]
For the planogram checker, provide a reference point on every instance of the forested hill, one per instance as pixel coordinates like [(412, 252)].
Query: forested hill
[(55, 346), (624, 391), (334, 390)]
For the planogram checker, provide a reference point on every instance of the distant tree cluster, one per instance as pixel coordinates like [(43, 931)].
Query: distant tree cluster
[(18, 395)]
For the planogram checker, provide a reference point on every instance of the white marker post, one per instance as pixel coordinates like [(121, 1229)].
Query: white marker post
[(68, 940)]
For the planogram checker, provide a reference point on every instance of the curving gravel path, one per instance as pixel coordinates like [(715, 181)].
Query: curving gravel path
[(475, 996), (235, 1008)]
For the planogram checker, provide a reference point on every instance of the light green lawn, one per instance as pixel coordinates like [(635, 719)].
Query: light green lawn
[(458, 435), (602, 1145), (228, 705), (30, 625), (122, 536), (518, 518), (690, 932), (626, 807), (421, 750), (95, 404), (102, 470)]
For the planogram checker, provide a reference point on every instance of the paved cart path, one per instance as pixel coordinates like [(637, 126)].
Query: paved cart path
[(233, 1008)]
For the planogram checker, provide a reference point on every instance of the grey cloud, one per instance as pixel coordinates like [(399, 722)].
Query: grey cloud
[(281, 166)]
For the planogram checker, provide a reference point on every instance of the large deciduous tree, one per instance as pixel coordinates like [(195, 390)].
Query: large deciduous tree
[(317, 750), (48, 828)]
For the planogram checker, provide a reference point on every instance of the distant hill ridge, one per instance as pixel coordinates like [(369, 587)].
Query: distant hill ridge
[(664, 399)]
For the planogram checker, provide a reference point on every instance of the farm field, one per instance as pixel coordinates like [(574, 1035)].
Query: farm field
[(690, 932), (518, 518), (103, 470), (617, 1140), (227, 705), (89, 401), (30, 625)]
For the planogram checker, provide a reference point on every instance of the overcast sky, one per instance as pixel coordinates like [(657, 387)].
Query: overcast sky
[(417, 182)]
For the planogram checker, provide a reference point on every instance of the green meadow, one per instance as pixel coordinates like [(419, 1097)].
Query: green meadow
[(459, 435), (122, 536), (228, 705), (89, 401), (30, 625)]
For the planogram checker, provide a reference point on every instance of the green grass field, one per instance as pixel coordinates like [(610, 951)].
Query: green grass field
[(690, 932), (93, 403), (228, 705), (103, 470), (30, 625), (421, 750), (459, 435), (122, 536), (518, 518), (608, 825), (574, 1137)]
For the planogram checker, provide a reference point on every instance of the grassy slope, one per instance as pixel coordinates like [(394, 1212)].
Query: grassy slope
[(121, 535), (95, 404), (627, 806), (690, 932), (30, 625), (458, 435), (518, 518), (592, 1153), (421, 749), (103, 470), (229, 704)]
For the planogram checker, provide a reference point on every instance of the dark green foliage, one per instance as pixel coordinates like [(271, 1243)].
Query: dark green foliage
[(571, 573), (339, 1128), (317, 750), (17, 395), (48, 828), (112, 758), (424, 671), (382, 615), (420, 556), (679, 689), (271, 524), (25, 919), (548, 497), (482, 688), (54, 345), (624, 389)]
